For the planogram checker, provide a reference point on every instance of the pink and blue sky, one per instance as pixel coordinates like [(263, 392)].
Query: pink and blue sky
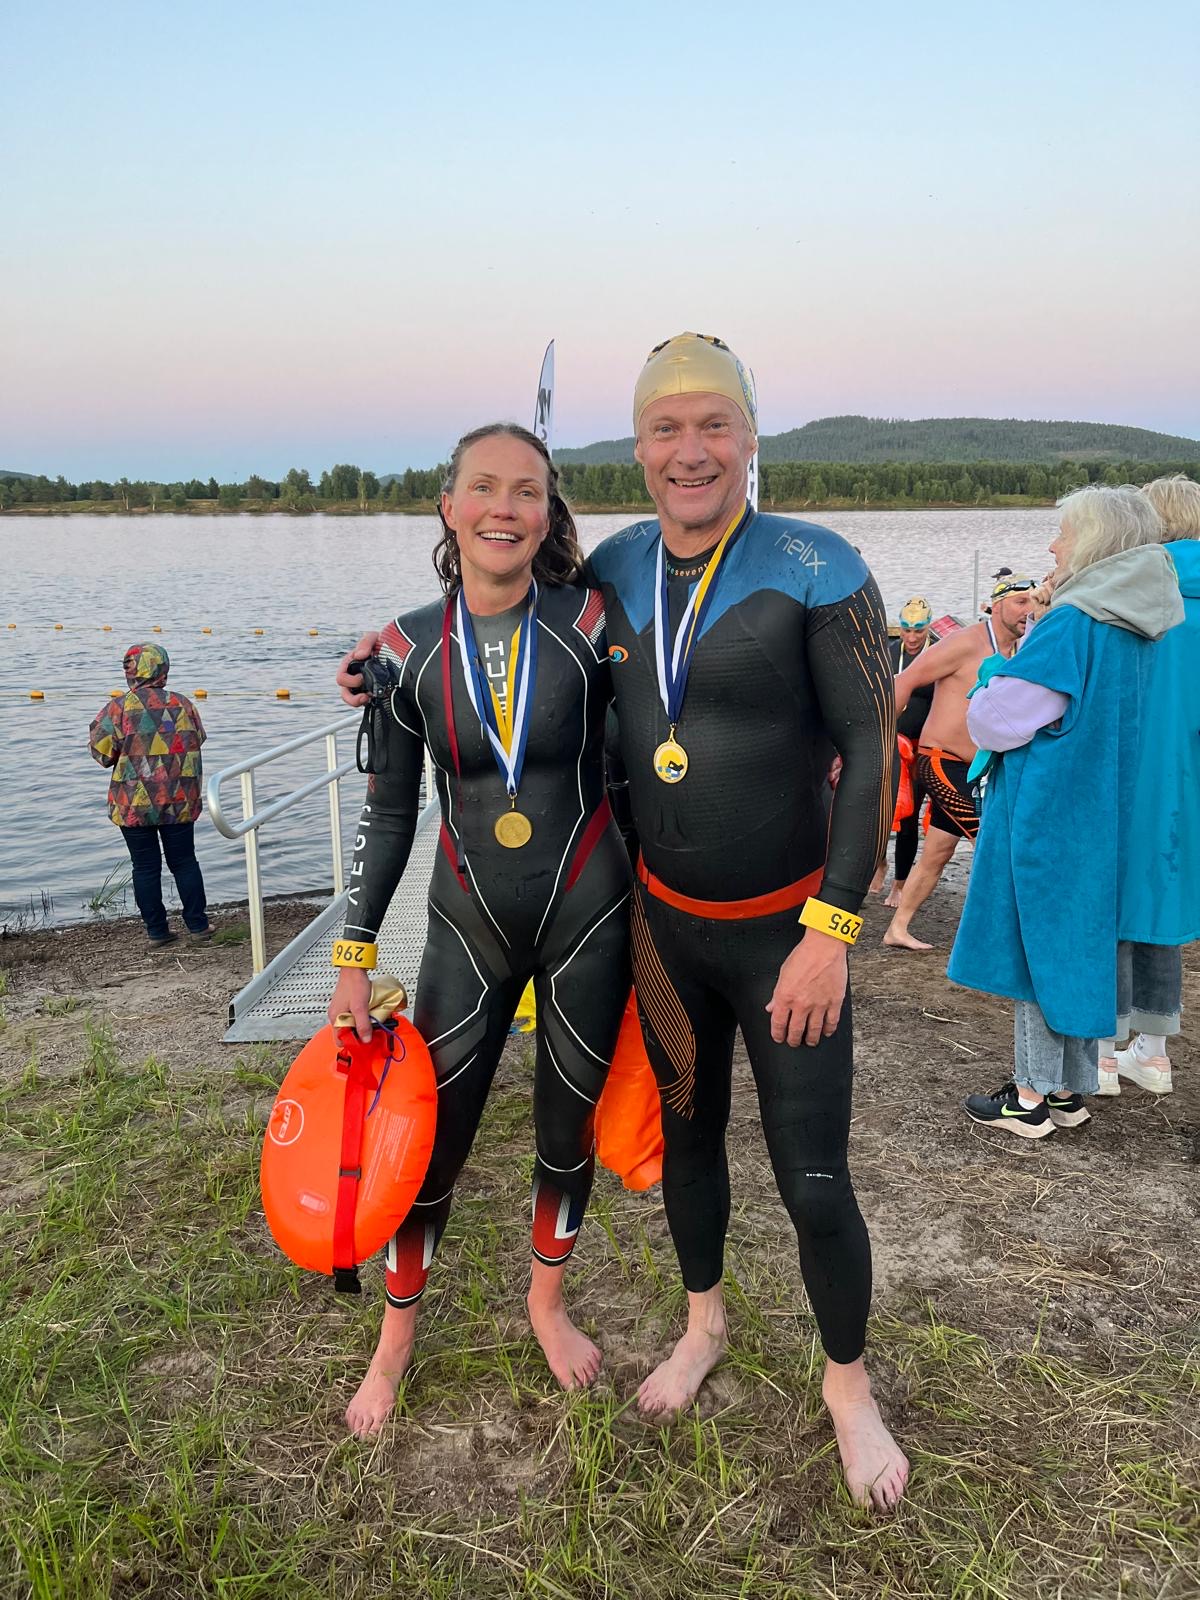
[(241, 237)]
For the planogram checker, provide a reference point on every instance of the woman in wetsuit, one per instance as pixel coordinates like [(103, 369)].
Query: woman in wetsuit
[(506, 682)]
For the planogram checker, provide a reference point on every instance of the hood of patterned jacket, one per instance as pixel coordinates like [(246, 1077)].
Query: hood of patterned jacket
[(1135, 589), (145, 665)]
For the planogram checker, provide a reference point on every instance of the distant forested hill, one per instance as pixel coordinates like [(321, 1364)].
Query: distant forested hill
[(941, 439)]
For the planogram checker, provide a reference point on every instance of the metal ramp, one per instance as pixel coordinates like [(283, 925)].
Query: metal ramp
[(287, 1000)]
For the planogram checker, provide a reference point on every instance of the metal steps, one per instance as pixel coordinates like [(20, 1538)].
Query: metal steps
[(287, 1000)]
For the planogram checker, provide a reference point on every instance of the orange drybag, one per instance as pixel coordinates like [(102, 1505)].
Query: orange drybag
[(629, 1138), (904, 794), (347, 1146)]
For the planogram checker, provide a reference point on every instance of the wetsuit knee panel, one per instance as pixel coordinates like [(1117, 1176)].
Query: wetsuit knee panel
[(818, 1199)]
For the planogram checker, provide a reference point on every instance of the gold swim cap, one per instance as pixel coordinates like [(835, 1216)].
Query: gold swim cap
[(916, 613), (694, 363)]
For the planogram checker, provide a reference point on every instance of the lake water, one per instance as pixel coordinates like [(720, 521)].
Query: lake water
[(285, 575)]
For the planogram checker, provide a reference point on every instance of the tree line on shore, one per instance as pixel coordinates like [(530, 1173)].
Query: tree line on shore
[(616, 485)]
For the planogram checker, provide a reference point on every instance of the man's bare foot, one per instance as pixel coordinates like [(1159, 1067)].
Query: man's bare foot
[(875, 1467), (571, 1356), (893, 899), (675, 1382), (376, 1394), (900, 939)]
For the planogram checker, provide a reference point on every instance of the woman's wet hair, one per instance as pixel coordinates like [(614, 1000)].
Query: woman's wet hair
[(559, 559), (1106, 520)]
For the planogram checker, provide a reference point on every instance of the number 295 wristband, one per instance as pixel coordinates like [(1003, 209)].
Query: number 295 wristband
[(353, 953), (839, 924)]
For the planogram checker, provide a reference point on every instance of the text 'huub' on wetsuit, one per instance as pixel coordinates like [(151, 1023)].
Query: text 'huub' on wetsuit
[(554, 909)]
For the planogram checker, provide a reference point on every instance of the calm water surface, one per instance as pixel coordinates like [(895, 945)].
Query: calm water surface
[(286, 576)]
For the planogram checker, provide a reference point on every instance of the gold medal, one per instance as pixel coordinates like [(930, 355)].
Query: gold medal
[(513, 829), (670, 761)]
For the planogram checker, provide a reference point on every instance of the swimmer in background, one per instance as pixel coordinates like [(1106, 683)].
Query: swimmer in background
[(946, 750), (916, 636)]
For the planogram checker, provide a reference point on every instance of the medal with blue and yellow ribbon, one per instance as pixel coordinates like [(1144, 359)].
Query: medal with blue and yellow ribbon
[(506, 724), (673, 662)]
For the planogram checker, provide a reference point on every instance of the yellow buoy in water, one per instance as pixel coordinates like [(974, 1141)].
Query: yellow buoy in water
[(259, 632), (58, 627), (283, 694), (312, 633), (205, 630), (107, 628), (12, 624), (156, 628), (36, 694), (201, 694)]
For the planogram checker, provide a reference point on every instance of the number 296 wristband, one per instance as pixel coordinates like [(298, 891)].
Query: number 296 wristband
[(353, 953), (839, 924)]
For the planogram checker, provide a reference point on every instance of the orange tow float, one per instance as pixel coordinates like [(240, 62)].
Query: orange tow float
[(349, 1139)]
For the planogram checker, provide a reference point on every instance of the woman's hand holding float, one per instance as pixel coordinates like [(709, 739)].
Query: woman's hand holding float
[(352, 993)]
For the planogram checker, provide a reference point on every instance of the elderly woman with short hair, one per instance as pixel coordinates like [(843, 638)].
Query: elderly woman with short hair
[(1162, 892), (1065, 715)]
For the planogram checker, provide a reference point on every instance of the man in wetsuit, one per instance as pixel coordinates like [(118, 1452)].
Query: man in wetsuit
[(916, 635), (946, 751), (746, 650)]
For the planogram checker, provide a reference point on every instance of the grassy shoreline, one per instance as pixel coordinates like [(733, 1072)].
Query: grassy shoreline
[(173, 1388), (426, 508)]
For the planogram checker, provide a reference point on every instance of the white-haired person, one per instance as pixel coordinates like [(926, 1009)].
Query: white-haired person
[(1162, 891), (1066, 716)]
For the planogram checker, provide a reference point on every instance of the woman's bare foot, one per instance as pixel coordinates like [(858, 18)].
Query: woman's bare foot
[(900, 938), (571, 1356), (875, 1467), (893, 897), (675, 1382), (376, 1394), (877, 880)]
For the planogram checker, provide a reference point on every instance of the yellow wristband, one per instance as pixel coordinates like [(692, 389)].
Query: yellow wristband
[(352, 953), (839, 924)]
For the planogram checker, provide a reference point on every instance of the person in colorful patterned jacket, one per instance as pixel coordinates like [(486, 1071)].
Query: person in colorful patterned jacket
[(151, 738)]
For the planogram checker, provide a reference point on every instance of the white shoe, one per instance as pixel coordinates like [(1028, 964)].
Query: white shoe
[(1110, 1082), (1151, 1072)]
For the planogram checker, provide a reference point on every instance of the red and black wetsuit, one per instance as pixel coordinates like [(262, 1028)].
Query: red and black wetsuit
[(555, 910), (791, 664)]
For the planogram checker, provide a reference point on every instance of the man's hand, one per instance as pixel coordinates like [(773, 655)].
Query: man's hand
[(809, 991), (352, 993), (350, 683)]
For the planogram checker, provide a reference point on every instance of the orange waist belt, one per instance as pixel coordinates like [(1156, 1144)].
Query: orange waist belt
[(758, 905)]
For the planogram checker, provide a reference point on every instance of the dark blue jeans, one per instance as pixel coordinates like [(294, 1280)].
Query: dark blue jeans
[(180, 850)]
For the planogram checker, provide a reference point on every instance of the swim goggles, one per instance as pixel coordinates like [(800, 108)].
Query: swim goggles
[(1013, 586)]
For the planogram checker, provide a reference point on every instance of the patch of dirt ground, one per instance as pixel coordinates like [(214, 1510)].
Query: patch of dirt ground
[(1071, 1254)]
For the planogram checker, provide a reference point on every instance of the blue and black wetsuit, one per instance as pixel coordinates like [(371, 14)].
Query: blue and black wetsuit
[(555, 910), (791, 665)]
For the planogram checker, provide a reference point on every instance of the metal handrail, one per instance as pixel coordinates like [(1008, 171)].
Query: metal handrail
[(252, 820)]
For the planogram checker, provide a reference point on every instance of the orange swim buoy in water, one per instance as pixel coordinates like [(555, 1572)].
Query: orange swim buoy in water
[(347, 1146), (629, 1136)]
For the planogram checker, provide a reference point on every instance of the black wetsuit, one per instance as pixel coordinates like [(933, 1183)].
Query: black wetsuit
[(555, 910), (791, 663), (910, 722)]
